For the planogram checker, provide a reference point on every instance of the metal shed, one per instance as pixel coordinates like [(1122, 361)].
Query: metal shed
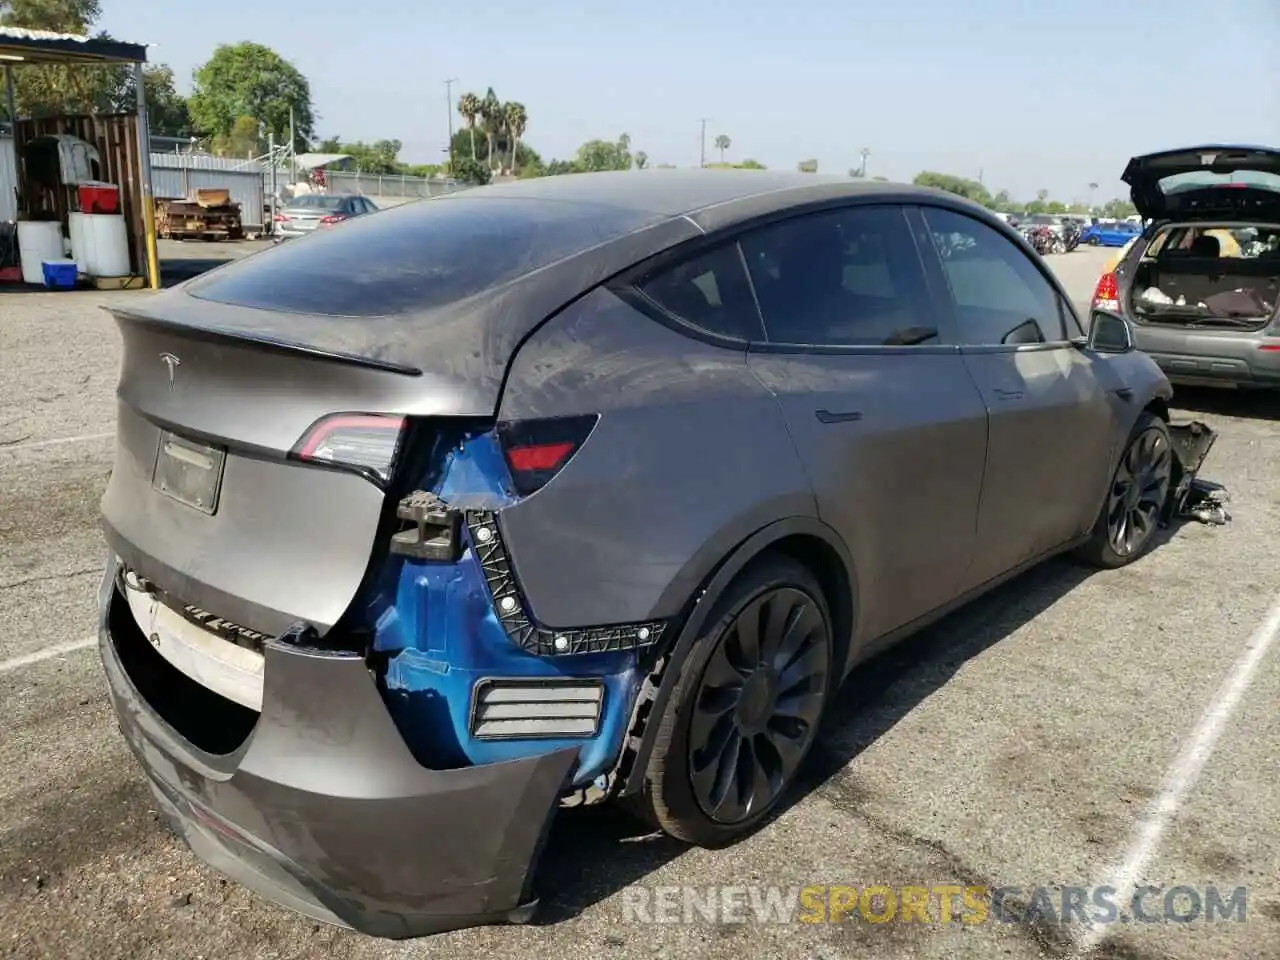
[(122, 141)]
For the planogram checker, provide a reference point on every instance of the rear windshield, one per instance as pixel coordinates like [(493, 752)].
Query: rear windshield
[(316, 202), (1199, 179), (416, 257)]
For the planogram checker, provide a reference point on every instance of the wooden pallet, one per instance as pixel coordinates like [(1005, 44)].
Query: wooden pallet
[(192, 220)]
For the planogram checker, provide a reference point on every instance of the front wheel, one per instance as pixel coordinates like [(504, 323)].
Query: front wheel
[(745, 708), (1136, 498)]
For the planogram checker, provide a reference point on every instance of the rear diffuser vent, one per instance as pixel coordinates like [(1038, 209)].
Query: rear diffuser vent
[(536, 709)]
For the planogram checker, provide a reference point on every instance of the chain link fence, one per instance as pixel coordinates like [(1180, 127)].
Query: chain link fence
[(390, 186)]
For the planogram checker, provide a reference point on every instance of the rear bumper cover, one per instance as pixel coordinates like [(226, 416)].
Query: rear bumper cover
[(323, 809), (1209, 357)]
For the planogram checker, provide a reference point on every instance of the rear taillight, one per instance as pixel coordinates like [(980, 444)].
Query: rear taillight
[(364, 442), (331, 219), (280, 218), (1106, 295), (536, 450), (1270, 347)]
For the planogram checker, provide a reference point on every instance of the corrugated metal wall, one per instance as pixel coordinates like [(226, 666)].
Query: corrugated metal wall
[(169, 183), (8, 179)]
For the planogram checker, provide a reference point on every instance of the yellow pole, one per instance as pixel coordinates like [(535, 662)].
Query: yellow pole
[(144, 165)]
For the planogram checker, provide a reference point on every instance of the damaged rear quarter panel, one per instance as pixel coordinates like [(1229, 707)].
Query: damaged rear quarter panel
[(689, 458)]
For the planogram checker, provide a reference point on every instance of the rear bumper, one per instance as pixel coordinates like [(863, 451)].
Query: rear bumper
[(324, 811), (1210, 357)]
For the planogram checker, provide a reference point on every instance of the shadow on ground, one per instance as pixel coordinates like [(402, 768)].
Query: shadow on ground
[(595, 852), (1219, 402)]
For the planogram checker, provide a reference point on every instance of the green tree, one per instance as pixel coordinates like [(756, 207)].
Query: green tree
[(969, 189), (751, 165), (167, 112), (46, 90), (517, 120), (381, 156), (472, 171), (469, 110), (597, 155), (527, 159), (722, 143), (251, 80), (243, 140), (492, 121), (1118, 209), (642, 160)]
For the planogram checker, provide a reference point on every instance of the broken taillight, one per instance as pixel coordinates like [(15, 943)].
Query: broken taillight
[(1106, 295), (536, 450), (364, 442)]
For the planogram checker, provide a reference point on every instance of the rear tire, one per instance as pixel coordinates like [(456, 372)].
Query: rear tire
[(1136, 498), (745, 708)]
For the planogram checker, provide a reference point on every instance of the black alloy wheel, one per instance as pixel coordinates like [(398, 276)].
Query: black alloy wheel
[(1138, 491), (758, 705), (744, 709)]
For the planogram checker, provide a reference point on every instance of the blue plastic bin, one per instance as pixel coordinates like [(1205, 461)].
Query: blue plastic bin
[(60, 274)]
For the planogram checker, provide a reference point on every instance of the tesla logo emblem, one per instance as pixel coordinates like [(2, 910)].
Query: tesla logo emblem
[(173, 363)]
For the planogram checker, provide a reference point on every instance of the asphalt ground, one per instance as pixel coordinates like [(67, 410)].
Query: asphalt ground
[(1040, 737)]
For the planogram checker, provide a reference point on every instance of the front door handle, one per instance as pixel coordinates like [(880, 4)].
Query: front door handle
[(1008, 394), (845, 416), (1125, 393)]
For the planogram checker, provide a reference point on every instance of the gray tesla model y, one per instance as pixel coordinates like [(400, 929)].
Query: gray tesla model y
[(579, 489)]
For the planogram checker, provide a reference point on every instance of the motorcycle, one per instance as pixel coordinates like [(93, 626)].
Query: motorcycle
[(1071, 231), (1042, 239)]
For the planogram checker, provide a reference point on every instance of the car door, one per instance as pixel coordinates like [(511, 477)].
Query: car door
[(887, 421), (1049, 442)]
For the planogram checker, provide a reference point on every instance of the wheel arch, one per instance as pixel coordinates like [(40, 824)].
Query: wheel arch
[(805, 539)]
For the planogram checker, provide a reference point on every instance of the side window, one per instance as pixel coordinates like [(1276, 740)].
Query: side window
[(841, 278), (1000, 296), (708, 291)]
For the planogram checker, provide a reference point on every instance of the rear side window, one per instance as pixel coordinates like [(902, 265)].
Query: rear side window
[(708, 291), (842, 278), (416, 257), (1000, 296)]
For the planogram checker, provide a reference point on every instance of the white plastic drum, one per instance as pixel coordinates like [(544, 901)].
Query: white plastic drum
[(38, 241), (79, 242), (106, 239)]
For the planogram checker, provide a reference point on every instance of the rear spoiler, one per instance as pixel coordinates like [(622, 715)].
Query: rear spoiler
[(223, 335)]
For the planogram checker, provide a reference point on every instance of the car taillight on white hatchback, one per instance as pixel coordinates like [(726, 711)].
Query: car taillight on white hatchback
[(1106, 295), (364, 442)]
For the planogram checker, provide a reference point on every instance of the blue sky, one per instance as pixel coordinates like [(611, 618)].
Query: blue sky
[(1031, 95)]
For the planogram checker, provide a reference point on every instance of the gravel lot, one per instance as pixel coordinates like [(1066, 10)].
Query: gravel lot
[(1019, 742)]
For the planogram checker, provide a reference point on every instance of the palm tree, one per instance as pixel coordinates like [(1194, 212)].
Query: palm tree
[(469, 110), (722, 144), (517, 119), (491, 119)]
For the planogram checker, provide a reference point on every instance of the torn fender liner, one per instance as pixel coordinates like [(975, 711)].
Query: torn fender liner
[(1189, 496), (324, 810)]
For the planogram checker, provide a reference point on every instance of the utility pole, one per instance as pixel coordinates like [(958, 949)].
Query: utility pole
[(702, 156), (448, 96), (293, 151)]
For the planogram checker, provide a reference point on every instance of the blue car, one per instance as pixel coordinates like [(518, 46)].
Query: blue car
[(1110, 234)]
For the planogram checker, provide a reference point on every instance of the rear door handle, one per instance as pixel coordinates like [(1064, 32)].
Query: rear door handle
[(1008, 394), (847, 416), (1125, 393)]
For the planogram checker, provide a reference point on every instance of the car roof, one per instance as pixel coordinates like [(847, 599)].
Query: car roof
[(676, 193)]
